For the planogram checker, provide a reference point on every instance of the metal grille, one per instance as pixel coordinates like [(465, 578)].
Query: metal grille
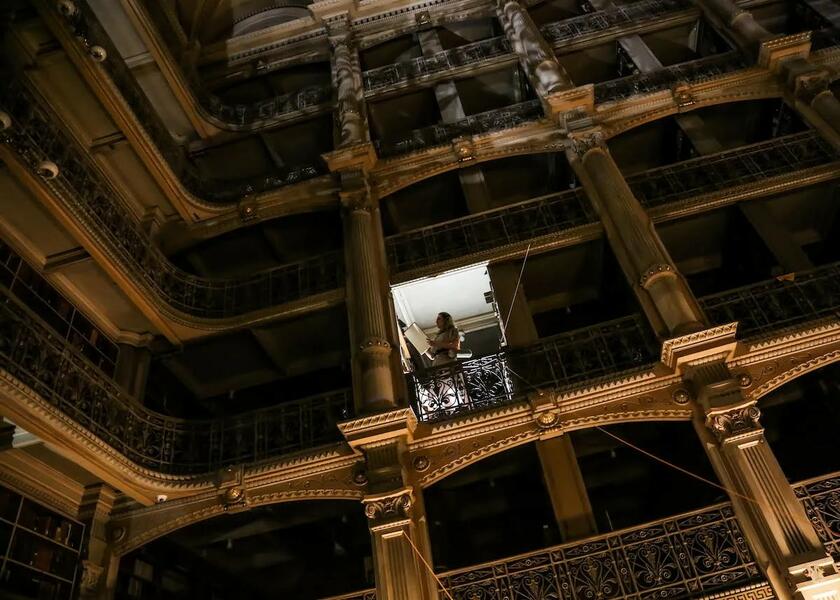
[(79, 391), (769, 306), (821, 499), (488, 230), (89, 196), (694, 72), (492, 120), (728, 169), (560, 361)]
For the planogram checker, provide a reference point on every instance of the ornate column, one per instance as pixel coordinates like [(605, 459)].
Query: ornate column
[(99, 568), (777, 528), (367, 286), (535, 55), (350, 115), (393, 504), (812, 97), (661, 289)]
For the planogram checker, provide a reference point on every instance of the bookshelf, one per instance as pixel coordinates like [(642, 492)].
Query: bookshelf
[(39, 549)]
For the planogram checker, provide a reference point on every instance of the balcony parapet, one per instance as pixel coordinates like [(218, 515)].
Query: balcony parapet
[(702, 553), (35, 140), (77, 390), (768, 307)]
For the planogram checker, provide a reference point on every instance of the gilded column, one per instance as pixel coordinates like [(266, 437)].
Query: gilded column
[(373, 379), (661, 289), (812, 97), (775, 523), (393, 504), (350, 120), (98, 580), (132, 369), (535, 54)]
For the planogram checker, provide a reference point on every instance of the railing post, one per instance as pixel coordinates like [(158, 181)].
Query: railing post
[(660, 288), (777, 528)]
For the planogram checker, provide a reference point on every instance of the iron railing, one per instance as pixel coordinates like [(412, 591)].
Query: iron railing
[(553, 213), (747, 164), (688, 555), (74, 387), (531, 110), (694, 71), (88, 195), (766, 307), (492, 120), (559, 361), (85, 25), (492, 229)]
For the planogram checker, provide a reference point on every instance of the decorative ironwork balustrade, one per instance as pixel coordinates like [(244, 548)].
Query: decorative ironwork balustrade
[(743, 165), (694, 71), (687, 555), (382, 78), (489, 230), (769, 306), (560, 361), (633, 13), (75, 388), (492, 120), (821, 499), (85, 25), (531, 110), (87, 194)]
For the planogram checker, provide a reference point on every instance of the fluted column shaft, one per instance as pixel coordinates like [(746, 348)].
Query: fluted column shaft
[(662, 291), (399, 537), (373, 380), (775, 523), (535, 54), (350, 118)]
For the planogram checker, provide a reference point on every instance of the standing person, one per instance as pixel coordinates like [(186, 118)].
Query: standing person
[(447, 342)]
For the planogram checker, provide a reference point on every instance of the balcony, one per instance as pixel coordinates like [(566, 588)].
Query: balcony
[(569, 359), (508, 117), (689, 555), (78, 390), (476, 236), (560, 361), (89, 196)]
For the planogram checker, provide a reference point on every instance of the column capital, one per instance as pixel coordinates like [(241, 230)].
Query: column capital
[(355, 191), (735, 424), (389, 509), (580, 143)]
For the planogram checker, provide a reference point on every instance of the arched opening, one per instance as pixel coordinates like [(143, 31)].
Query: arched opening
[(305, 550), (801, 420)]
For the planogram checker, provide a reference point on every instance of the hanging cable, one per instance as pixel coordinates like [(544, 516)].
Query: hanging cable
[(673, 466), (427, 565)]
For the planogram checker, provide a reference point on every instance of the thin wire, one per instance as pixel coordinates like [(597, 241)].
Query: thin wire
[(423, 560), (677, 467), (516, 289)]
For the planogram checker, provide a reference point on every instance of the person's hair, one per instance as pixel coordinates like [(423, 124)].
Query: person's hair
[(447, 320)]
